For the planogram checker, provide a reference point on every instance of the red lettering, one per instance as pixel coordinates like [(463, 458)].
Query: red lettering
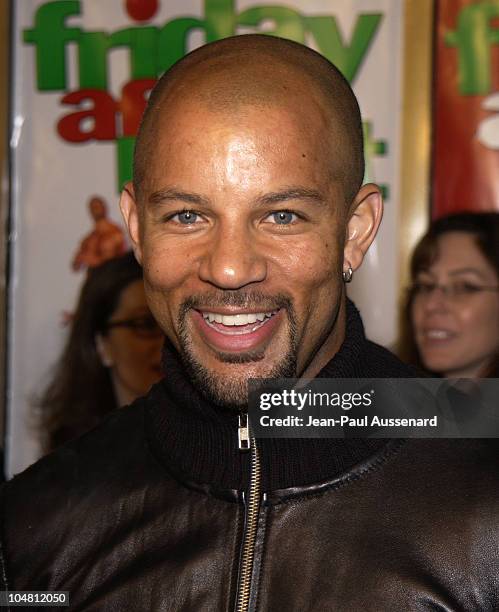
[(98, 119), (133, 103), (101, 116)]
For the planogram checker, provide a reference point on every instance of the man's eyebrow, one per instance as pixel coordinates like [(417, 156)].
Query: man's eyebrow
[(171, 193), (269, 199), (293, 193)]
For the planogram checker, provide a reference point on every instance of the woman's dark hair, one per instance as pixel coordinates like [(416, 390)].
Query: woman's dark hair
[(81, 392), (484, 227)]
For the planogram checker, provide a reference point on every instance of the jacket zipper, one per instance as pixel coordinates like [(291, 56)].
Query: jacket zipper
[(247, 442)]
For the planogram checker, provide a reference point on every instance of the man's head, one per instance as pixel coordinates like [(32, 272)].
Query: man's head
[(97, 208), (247, 206)]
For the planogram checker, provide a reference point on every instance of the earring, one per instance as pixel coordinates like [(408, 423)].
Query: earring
[(348, 275)]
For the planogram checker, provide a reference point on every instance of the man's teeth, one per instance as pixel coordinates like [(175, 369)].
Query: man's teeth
[(238, 319)]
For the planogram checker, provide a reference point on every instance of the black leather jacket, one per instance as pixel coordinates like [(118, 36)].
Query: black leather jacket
[(393, 533), (147, 512)]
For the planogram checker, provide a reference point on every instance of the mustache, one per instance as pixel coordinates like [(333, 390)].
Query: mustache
[(237, 299)]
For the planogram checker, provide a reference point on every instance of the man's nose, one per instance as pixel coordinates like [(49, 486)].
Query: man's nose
[(233, 259)]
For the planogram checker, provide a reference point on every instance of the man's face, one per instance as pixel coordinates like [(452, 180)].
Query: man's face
[(241, 240)]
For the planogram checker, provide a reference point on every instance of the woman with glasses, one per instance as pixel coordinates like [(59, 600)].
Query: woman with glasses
[(111, 357), (452, 308)]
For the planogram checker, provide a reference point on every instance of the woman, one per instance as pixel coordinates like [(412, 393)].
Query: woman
[(111, 357), (452, 310)]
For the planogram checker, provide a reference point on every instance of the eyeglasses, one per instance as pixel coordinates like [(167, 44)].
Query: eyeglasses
[(143, 327), (458, 290)]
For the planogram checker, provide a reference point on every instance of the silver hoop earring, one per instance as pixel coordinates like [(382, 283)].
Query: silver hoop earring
[(348, 275)]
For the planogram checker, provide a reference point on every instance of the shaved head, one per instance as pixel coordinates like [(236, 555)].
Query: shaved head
[(234, 74)]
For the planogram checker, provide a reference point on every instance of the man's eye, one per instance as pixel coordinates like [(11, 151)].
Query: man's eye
[(187, 217), (283, 217)]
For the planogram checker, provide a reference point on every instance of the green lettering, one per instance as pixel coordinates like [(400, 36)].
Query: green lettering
[(124, 151), (50, 37), (143, 44), (219, 22), (173, 40), (348, 57), (373, 148), (287, 22), (93, 50), (92, 60), (474, 37)]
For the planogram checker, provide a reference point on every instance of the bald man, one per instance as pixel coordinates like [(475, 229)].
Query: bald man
[(248, 215)]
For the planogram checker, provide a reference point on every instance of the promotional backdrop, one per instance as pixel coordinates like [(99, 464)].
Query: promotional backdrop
[(466, 107), (83, 70)]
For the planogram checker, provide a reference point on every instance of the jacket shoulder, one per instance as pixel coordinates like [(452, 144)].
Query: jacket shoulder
[(90, 458), (92, 473), (63, 507)]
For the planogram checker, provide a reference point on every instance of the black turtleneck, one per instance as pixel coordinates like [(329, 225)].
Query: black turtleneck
[(198, 439)]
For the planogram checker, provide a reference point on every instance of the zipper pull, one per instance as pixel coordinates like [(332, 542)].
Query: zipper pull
[(244, 442)]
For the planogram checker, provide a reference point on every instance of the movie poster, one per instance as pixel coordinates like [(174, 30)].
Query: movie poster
[(466, 107), (82, 72)]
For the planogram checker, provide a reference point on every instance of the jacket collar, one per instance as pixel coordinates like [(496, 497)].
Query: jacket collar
[(198, 440)]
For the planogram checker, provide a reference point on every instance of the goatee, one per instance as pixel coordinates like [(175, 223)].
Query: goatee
[(232, 392)]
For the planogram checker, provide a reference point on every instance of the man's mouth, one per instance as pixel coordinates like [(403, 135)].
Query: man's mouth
[(236, 324), (237, 331)]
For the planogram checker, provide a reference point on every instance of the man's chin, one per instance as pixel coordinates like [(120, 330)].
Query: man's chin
[(246, 357), (225, 383)]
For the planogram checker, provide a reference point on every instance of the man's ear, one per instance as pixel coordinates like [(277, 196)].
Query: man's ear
[(130, 212), (365, 216)]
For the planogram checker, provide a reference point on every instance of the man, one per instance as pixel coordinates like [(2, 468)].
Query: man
[(248, 214), (104, 242)]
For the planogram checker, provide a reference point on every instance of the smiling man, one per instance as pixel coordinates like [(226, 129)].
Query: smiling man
[(248, 214), (247, 209)]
